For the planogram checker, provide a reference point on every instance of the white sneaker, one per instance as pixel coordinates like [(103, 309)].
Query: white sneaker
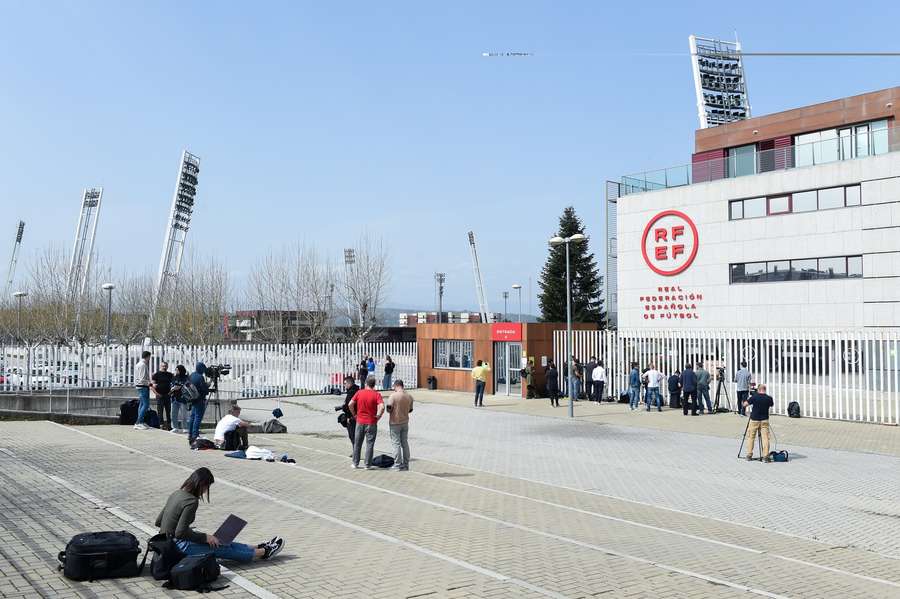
[(354, 466), (141, 427), (175, 431)]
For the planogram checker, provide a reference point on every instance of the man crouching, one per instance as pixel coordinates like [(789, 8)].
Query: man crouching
[(231, 431)]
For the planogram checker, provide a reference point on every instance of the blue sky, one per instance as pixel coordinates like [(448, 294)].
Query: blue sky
[(315, 121)]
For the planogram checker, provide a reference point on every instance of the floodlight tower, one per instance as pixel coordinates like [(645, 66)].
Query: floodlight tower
[(83, 250), (174, 241), (479, 281), (11, 271), (439, 279)]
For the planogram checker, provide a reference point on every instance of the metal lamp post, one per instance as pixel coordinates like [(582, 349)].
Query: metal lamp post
[(555, 241), (108, 288), (518, 288), (505, 307), (19, 295)]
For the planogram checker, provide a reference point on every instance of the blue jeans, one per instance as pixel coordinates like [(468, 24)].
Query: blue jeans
[(178, 414), (143, 403), (703, 396), (196, 418), (576, 388), (386, 381), (653, 393), (634, 397), (236, 551), (479, 392)]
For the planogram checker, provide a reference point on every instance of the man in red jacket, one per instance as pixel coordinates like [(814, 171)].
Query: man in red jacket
[(367, 407)]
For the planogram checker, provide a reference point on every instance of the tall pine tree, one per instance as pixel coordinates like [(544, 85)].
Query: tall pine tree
[(587, 303)]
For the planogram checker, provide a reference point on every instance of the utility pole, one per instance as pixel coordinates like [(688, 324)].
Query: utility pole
[(505, 308), (439, 279), (518, 288)]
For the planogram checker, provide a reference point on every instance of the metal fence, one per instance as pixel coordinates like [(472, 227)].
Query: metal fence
[(842, 375), (256, 369)]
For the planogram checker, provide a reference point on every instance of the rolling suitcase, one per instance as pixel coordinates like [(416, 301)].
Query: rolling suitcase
[(96, 555)]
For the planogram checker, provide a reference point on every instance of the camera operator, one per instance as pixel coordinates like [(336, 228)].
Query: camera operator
[(198, 406), (742, 378), (760, 404), (346, 418)]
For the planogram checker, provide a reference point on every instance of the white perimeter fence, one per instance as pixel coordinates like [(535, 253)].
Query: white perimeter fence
[(842, 375), (256, 370)]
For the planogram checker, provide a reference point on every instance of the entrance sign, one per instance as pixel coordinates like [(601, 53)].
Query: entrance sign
[(670, 243), (506, 331)]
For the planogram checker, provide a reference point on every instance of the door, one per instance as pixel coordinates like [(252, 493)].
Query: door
[(501, 368), (515, 365)]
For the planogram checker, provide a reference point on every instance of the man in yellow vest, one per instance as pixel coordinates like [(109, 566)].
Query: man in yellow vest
[(479, 375)]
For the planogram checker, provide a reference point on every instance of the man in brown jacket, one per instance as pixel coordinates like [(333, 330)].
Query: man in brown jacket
[(399, 406)]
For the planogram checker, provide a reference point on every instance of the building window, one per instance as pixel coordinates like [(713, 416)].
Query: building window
[(844, 143), (742, 160), (800, 201), (451, 353), (804, 269), (833, 197), (779, 204)]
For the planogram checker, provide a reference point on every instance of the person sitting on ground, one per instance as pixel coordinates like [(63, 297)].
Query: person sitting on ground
[(231, 431), (176, 518)]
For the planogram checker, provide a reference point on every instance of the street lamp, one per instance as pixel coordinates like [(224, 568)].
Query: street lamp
[(518, 288), (505, 298), (19, 295), (555, 241), (108, 288)]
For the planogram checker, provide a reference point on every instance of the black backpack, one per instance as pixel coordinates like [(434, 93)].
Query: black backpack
[(165, 555), (128, 411), (382, 461), (97, 555), (195, 573), (794, 409)]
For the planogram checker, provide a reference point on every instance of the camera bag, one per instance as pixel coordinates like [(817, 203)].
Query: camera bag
[(96, 555), (195, 573), (165, 555), (779, 456)]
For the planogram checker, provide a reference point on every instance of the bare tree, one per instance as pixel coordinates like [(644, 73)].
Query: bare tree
[(365, 284), (201, 301)]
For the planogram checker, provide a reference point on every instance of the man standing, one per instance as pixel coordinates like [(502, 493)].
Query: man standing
[(689, 390), (368, 408), (198, 406), (479, 375), (161, 383), (599, 376), (759, 421), (742, 377), (577, 379), (674, 384), (351, 388), (703, 378), (552, 376), (654, 378), (362, 371), (388, 373), (399, 406), (589, 378), (142, 384), (634, 387)]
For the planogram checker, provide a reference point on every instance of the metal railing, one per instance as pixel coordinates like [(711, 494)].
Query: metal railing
[(861, 145), (839, 375), (257, 370)]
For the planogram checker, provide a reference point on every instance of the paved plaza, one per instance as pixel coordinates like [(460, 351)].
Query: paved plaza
[(511, 500)]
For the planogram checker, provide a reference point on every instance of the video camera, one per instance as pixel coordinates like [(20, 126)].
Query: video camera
[(217, 370), (720, 373), (344, 416)]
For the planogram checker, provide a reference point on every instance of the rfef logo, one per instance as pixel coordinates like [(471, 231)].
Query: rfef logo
[(670, 243)]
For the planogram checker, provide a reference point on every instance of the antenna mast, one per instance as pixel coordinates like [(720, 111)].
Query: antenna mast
[(479, 281)]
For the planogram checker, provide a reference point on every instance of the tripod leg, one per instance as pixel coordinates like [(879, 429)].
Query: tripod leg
[(744, 438)]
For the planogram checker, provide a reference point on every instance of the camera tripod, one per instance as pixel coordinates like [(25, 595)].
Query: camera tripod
[(758, 440), (721, 388)]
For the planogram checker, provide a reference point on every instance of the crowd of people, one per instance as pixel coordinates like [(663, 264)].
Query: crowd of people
[(180, 397)]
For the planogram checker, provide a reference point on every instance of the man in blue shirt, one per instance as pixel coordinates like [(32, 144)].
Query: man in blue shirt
[(689, 390), (198, 406), (742, 377), (634, 386), (759, 404)]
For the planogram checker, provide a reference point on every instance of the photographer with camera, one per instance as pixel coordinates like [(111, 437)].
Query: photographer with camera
[(760, 404), (742, 379), (346, 418)]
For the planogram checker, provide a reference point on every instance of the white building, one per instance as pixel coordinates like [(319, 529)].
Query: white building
[(790, 220)]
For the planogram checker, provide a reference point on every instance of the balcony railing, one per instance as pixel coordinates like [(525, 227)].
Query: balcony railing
[(847, 147)]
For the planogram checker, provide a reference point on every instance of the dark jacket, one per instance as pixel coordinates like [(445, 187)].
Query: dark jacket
[(688, 380), (589, 371), (674, 383), (552, 375), (350, 393), (199, 381)]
